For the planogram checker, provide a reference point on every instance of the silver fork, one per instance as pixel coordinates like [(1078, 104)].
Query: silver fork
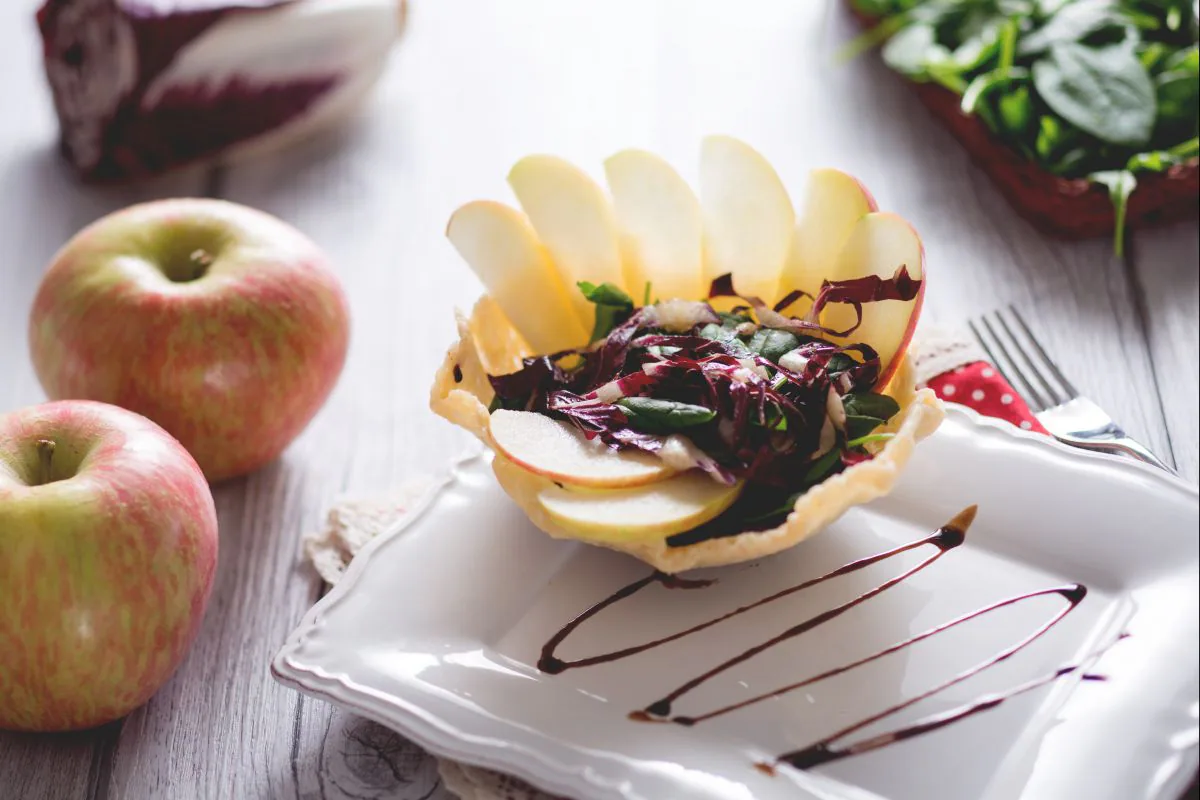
[(1056, 403)]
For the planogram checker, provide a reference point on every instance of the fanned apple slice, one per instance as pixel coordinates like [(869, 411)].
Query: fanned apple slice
[(504, 252), (748, 217), (574, 219), (657, 511), (661, 226), (833, 202), (557, 451), (879, 244)]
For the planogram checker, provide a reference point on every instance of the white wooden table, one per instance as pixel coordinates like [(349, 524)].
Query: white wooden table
[(474, 86)]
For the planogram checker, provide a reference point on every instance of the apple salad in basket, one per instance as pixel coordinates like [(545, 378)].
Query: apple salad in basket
[(695, 381)]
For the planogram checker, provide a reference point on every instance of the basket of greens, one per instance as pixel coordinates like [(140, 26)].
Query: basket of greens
[(1084, 112)]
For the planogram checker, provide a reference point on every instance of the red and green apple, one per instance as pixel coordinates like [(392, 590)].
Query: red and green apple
[(108, 545), (223, 324)]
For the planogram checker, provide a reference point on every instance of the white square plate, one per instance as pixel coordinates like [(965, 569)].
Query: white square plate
[(437, 628)]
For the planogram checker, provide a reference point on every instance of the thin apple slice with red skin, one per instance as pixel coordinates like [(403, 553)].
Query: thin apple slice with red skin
[(748, 217), (639, 513), (661, 226), (833, 203), (557, 451), (503, 251), (879, 244), (574, 220)]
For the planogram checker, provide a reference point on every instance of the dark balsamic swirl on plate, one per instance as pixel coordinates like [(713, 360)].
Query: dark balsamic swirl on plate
[(942, 541)]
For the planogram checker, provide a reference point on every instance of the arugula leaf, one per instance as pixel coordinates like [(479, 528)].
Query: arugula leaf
[(771, 344), (870, 404), (1105, 92), (613, 306), (664, 416)]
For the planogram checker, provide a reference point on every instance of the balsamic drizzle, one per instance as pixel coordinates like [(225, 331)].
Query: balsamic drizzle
[(946, 538), (822, 752)]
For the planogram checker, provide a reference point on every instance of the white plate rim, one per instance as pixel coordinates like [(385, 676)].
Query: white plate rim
[(442, 739)]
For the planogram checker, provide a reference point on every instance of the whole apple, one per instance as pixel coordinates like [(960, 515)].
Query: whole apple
[(108, 543), (221, 323)]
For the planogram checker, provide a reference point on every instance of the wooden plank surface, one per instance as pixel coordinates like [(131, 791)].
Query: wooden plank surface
[(1166, 273), (473, 87)]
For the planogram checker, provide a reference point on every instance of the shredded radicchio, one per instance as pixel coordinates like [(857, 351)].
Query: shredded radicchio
[(755, 415)]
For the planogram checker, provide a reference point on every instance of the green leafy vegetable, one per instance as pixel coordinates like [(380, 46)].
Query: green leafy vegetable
[(874, 437), (1073, 23), (824, 466), (870, 404), (910, 50), (1083, 88), (726, 334), (1106, 92), (772, 344), (664, 416), (858, 426), (1121, 184), (613, 306)]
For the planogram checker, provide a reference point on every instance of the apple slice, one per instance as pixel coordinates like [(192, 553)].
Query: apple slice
[(833, 202), (557, 451), (748, 217), (574, 219), (661, 226), (879, 244), (504, 252), (644, 512)]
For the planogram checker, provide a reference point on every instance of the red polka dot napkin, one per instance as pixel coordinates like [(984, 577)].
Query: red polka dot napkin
[(949, 362)]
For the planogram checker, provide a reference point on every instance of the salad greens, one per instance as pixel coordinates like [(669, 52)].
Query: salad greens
[(759, 396), (1094, 89)]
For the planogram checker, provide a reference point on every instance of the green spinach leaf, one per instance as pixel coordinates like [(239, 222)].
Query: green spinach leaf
[(1105, 92), (858, 425), (911, 49), (664, 416), (824, 466), (725, 333), (771, 344), (1072, 23), (870, 404), (613, 306)]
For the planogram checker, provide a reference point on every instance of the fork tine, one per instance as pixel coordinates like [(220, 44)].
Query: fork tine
[(1032, 395), (1072, 392), (987, 349), (1038, 373)]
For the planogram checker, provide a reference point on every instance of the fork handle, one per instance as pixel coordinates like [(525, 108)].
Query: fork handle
[(1118, 446)]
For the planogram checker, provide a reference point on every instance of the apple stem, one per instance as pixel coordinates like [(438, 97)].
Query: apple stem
[(45, 448), (200, 260)]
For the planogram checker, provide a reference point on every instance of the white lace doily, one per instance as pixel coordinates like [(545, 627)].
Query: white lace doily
[(352, 522), (940, 349)]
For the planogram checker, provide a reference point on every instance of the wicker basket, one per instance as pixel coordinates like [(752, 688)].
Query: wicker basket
[(1074, 208)]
